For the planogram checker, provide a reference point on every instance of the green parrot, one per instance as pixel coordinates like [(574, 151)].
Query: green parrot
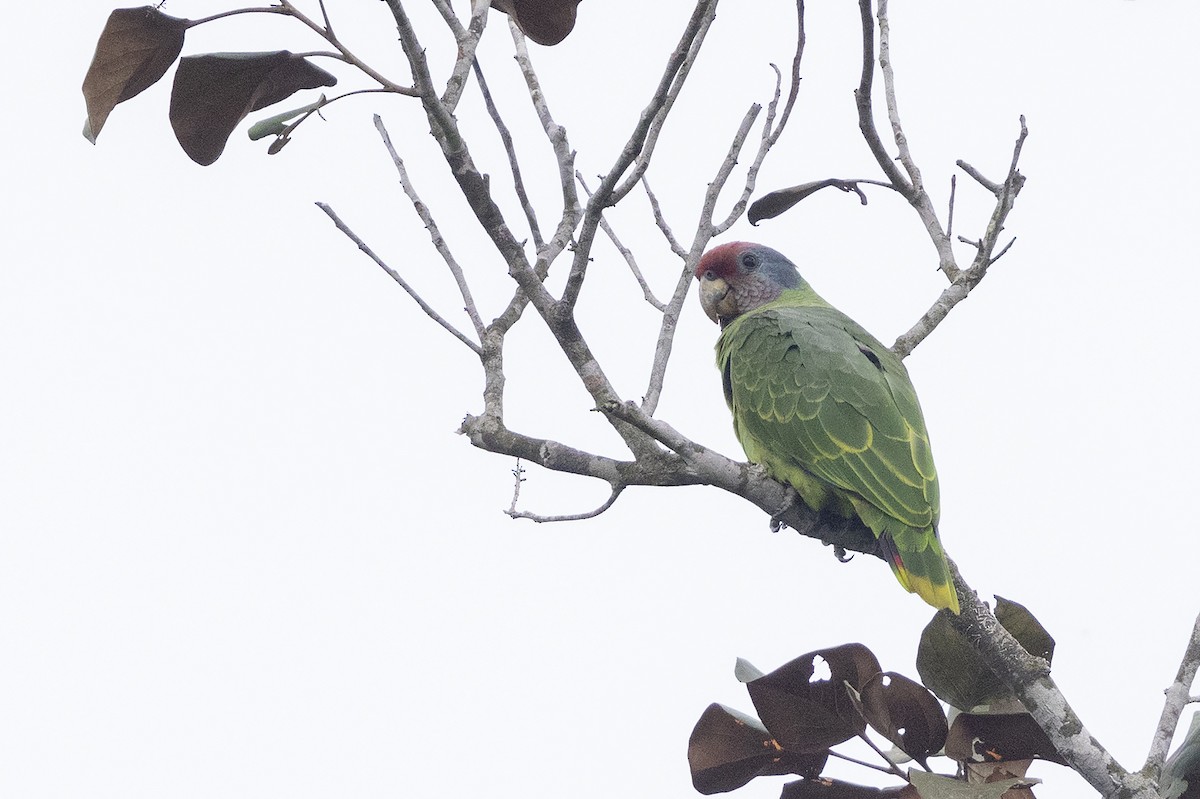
[(826, 408)]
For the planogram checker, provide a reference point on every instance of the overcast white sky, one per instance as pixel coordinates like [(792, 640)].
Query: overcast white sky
[(243, 553)]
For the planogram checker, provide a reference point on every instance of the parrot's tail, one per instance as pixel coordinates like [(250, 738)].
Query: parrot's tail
[(923, 570)]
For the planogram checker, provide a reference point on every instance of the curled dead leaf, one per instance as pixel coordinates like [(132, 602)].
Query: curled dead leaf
[(135, 49)]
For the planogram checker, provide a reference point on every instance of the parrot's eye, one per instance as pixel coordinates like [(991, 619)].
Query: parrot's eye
[(750, 261), (710, 275)]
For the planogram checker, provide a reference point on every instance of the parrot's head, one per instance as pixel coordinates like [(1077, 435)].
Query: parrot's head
[(740, 276)]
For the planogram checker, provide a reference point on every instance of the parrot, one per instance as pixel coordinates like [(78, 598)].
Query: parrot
[(824, 407)]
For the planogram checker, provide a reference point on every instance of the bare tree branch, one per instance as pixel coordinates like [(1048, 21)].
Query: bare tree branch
[(961, 286), (889, 90), (347, 56), (518, 479), (488, 432), (432, 314), (913, 192), (706, 230), (772, 129), (468, 42), (1030, 678), (557, 135), (439, 242), (1178, 697), (661, 221), (950, 209), (507, 140), (607, 192), (626, 253)]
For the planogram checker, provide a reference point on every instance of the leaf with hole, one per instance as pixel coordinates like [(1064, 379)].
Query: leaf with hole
[(906, 713), (807, 711), (728, 748), (135, 49), (215, 91), (949, 666)]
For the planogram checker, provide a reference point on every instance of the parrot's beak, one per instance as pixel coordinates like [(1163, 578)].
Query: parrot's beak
[(717, 299)]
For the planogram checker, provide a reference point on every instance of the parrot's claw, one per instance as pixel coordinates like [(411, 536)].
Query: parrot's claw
[(839, 552), (777, 523)]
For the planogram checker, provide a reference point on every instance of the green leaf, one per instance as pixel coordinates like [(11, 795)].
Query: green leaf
[(135, 49), (745, 671), (728, 748), (935, 786), (1181, 772), (215, 91), (807, 712), (949, 666), (277, 125)]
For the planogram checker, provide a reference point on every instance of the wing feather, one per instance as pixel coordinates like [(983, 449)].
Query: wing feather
[(812, 391)]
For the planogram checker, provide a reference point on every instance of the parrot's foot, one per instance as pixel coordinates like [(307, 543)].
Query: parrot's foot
[(839, 552), (778, 523)]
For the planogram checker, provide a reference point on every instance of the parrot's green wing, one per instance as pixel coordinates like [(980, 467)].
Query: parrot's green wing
[(824, 406)]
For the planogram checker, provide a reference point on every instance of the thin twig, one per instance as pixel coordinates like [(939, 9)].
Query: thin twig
[(794, 92), (863, 100), (969, 278), (435, 233), (517, 473), (915, 194), (731, 158), (994, 188), (191, 23), (1003, 250), (1177, 699), (325, 16), (773, 127), (350, 58), (659, 118), (626, 253), (950, 212), (507, 140), (862, 763), (894, 768), (569, 517), (889, 92), (607, 192), (705, 231), (564, 157), (661, 221), (432, 314), (475, 189)]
